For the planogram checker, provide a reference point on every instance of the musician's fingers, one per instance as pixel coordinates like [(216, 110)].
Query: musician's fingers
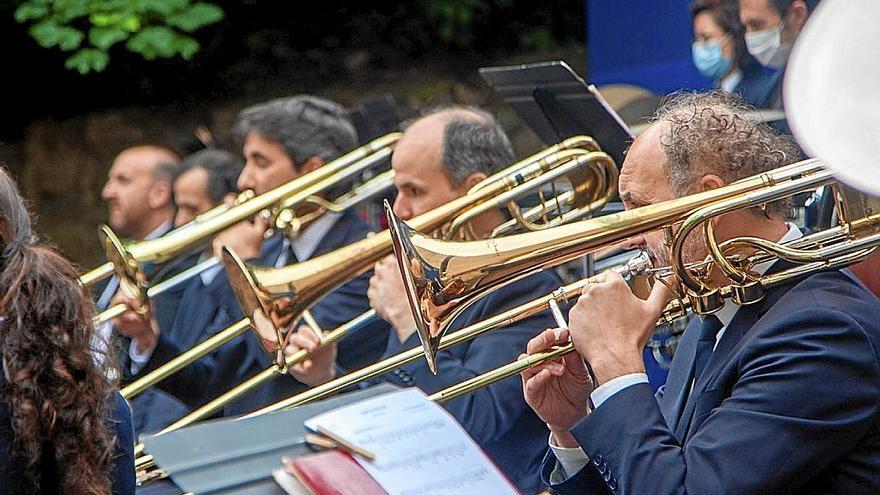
[(301, 341), (542, 341)]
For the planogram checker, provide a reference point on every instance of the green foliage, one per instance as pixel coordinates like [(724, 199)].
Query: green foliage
[(457, 21), (89, 28)]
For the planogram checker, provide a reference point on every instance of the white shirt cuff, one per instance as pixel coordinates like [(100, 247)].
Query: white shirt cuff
[(569, 462), (606, 390), (139, 359)]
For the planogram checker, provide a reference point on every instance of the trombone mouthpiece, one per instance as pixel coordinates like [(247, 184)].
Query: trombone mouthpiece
[(635, 266)]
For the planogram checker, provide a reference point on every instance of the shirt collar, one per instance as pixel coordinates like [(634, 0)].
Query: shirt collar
[(728, 83), (728, 311), (160, 230), (306, 243)]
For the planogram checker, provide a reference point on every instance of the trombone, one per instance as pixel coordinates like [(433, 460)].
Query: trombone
[(633, 267), (284, 293), (856, 237), (287, 220), (443, 278), (592, 174), (273, 297), (124, 259)]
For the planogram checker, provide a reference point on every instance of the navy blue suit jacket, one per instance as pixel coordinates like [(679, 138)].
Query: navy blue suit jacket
[(758, 85), (12, 470), (497, 416), (788, 402), (208, 312)]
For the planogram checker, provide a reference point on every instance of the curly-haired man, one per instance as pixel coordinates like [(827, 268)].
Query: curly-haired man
[(778, 396)]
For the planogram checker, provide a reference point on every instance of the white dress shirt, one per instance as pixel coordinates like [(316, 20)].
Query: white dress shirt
[(572, 460), (104, 332), (728, 83)]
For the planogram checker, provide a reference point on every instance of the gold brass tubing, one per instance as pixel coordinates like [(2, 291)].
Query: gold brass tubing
[(251, 383), (281, 294), (465, 334), (498, 374), (760, 196), (92, 276), (863, 247), (206, 410), (443, 277), (108, 314), (125, 258), (154, 290), (187, 357)]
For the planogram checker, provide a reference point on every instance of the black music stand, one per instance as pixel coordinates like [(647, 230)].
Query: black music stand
[(232, 456), (556, 104)]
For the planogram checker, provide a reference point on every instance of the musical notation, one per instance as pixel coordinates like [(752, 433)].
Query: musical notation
[(420, 449)]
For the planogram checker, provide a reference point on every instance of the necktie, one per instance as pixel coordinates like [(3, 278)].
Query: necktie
[(708, 331)]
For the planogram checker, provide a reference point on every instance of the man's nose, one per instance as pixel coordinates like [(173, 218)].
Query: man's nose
[(107, 192), (402, 208), (245, 181)]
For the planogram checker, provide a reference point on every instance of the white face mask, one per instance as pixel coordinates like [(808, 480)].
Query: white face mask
[(767, 47)]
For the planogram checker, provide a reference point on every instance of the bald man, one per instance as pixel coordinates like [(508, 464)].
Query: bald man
[(140, 204), (138, 191)]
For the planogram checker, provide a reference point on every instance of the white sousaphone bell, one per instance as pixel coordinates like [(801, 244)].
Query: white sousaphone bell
[(832, 90)]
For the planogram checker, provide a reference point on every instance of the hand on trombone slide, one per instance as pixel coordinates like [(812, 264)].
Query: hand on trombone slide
[(137, 321), (388, 297), (317, 369), (609, 326)]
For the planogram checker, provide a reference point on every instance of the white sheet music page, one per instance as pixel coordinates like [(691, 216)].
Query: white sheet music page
[(420, 449)]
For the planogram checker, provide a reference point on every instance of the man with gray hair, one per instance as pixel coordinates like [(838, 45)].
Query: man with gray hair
[(439, 157), (281, 140), (777, 396)]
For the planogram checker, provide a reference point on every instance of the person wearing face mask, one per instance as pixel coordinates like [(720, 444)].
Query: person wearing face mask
[(719, 52), (771, 29)]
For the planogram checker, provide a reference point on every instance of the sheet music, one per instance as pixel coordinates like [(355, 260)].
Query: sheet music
[(420, 449)]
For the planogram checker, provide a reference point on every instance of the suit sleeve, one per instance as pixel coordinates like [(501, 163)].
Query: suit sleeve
[(340, 307), (490, 412), (790, 389)]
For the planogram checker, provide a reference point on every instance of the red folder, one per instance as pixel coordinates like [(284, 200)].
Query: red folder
[(333, 472)]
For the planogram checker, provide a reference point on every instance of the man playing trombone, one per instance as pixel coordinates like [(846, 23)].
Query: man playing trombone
[(782, 395), (202, 181), (438, 158), (281, 140)]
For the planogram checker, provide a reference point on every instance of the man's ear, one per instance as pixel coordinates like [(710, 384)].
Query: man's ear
[(160, 195), (797, 16), (310, 165), (472, 180), (709, 182)]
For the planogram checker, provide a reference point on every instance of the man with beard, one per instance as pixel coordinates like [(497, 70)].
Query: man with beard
[(776, 396)]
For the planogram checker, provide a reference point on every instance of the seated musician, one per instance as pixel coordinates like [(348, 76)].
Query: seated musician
[(779, 396), (439, 157), (63, 428), (201, 181), (281, 140)]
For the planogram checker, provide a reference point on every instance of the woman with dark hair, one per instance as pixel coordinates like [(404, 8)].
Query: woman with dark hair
[(63, 429), (719, 52)]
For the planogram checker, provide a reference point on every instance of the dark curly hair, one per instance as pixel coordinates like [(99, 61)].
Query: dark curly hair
[(55, 390), (712, 133)]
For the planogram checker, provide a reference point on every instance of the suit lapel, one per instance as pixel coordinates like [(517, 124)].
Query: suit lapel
[(731, 342), (680, 373), (337, 236)]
